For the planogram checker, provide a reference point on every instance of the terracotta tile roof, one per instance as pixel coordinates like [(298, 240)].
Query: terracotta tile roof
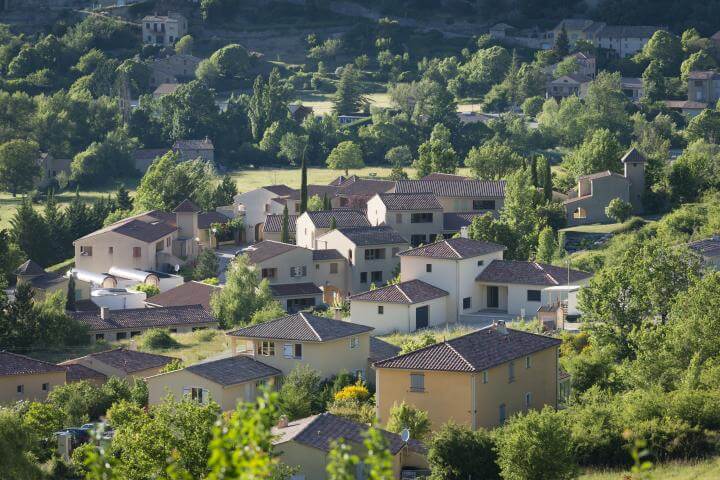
[(633, 156), (327, 254), (145, 231), (606, 173), (709, 246), (453, 188), (320, 190), (166, 88), (410, 201), (149, 153), (474, 352), (702, 75), (454, 248), (268, 249), (233, 370), (128, 361), (454, 221), (321, 430), (47, 280), (303, 327), (29, 268), (77, 372), (294, 289), (206, 219), (355, 186), (410, 292), (445, 177), (189, 293), (627, 31), (187, 206), (204, 144), (529, 273), (280, 190), (343, 218), (146, 317), (364, 236), (689, 104), (273, 223), (380, 350), (14, 364)]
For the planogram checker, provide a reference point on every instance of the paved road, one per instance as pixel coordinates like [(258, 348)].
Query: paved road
[(225, 254)]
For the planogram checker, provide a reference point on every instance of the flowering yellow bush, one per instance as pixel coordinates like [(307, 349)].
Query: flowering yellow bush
[(357, 392)]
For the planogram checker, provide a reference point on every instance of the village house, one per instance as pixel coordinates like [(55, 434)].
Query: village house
[(312, 225), (43, 282), (50, 168), (305, 444), (417, 217), (80, 373), (114, 325), (163, 30), (189, 293), (568, 85), (122, 363), (704, 86), (194, 149), (165, 88), (226, 381), (478, 380), (623, 40), (172, 69), (328, 346), (456, 195), (144, 157), (371, 253), (709, 250), (255, 205), (594, 193), (272, 228), (354, 192), (24, 378)]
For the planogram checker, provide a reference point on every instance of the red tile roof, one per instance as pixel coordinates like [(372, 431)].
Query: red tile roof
[(410, 292)]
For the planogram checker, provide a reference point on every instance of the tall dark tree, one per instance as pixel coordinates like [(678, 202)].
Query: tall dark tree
[(533, 171), (122, 198), (547, 179), (55, 221), (70, 298), (562, 44), (30, 232), (77, 218), (333, 223), (303, 186), (225, 191), (348, 97), (285, 228), (327, 205)]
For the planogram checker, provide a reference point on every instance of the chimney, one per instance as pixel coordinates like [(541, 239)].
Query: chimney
[(282, 421), (133, 346), (104, 313), (500, 327)]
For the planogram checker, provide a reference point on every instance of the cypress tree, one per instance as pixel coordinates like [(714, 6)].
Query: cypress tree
[(285, 228), (122, 197), (70, 299), (77, 219), (29, 231), (303, 186), (58, 246), (547, 180), (348, 97), (533, 171), (333, 223), (326, 202), (562, 44)]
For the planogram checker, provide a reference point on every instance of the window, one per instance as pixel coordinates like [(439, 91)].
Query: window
[(381, 309), (99, 336), (86, 250), (376, 276), (45, 387), (527, 362), (421, 217), (198, 394), (333, 267), (173, 330), (511, 372), (21, 389), (467, 302), (136, 252), (485, 376), (395, 251), (266, 349), (168, 241), (528, 400), (297, 208), (269, 273), (417, 240), (428, 267), (483, 204), (363, 277), (110, 250), (299, 271), (417, 382), (354, 342), (398, 218), (533, 295), (292, 350), (135, 333), (502, 414), (481, 263), (159, 246), (121, 335), (374, 253)]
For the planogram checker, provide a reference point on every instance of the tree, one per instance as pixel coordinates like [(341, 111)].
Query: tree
[(122, 199), (437, 154), (55, 220), (701, 60), (696, 170), (345, 156), (599, 152), (520, 215), (618, 210), (16, 440), (665, 48), (406, 416), (185, 45), (267, 104), (242, 295), (18, 166), (300, 393), (546, 178), (654, 82), (70, 297), (561, 48), (285, 228), (29, 231), (399, 157), (316, 203), (303, 186), (486, 67), (100, 161), (547, 246), (207, 265), (567, 66), (348, 97), (705, 126), (493, 160), (225, 191), (536, 446), (458, 453)]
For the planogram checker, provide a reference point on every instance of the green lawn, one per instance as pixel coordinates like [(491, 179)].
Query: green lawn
[(701, 470), (322, 102), (440, 334)]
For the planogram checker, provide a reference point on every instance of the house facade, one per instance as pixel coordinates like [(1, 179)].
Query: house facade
[(193, 149), (417, 217), (311, 225), (459, 194), (163, 30), (623, 40), (24, 378), (703, 86), (173, 69)]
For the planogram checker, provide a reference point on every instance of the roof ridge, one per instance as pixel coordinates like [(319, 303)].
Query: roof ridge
[(30, 358), (467, 362), (453, 249), (302, 315), (403, 292)]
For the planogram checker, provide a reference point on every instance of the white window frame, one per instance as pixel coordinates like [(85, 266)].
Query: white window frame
[(354, 342), (290, 349), (266, 349)]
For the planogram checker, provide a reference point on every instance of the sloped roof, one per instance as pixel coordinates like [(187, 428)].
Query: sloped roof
[(14, 364), (356, 186), (280, 190), (273, 223), (454, 248), (633, 156), (689, 104), (627, 31), (529, 273), (205, 144), (268, 249), (410, 292), (302, 327), (453, 188), (29, 268), (445, 176), (187, 206), (474, 352), (327, 254), (606, 173), (410, 201), (294, 289), (147, 226), (380, 350), (146, 317), (454, 221), (343, 218), (129, 361), (77, 372), (206, 219), (320, 431), (702, 75), (364, 236), (189, 293), (166, 88), (233, 370), (708, 246)]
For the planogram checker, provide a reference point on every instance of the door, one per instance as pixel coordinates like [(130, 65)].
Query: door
[(422, 315), (493, 297)]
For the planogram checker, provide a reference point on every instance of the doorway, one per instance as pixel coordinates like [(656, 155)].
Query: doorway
[(493, 297), (422, 317)]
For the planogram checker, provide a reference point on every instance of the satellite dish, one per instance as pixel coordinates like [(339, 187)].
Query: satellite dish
[(177, 267), (405, 435)]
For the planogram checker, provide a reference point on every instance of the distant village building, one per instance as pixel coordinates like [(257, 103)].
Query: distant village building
[(163, 30), (709, 250), (50, 168), (624, 41), (165, 89), (24, 378), (123, 363), (173, 69), (192, 149), (42, 281)]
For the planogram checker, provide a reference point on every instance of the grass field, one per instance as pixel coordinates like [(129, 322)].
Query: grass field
[(322, 102), (440, 334), (702, 470)]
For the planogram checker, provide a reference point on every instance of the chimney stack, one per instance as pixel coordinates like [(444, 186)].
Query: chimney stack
[(104, 313), (500, 327)]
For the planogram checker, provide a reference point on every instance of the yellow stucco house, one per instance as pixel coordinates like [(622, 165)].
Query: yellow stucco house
[(305, 444), (24, 378), (478, 380), (122, 363)]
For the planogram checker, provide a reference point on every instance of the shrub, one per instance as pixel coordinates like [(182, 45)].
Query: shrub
[(175, 364), (618, 210), (532, 106), (301, 393), (205, 335), (456, 452), (352, 410), (358, 393), (406, 416), (123, 413), (149, 290), (210, 281), (417, 342), (157, 339), (671, 438)]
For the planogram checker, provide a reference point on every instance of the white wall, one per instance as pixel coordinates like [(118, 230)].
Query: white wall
[(255, 202), (396, 317), (282, 263), (122, 252)]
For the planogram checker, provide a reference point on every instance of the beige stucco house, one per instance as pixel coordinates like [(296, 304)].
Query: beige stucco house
[(226, 381), (272, 228), (255, 205), (24, 378), (327, 346), (312, 225), (458, 194), (371, 253), (172, 68), (417, 217), (163, 30), (123, 363), (477, 380), (305, 443), (623, 40)]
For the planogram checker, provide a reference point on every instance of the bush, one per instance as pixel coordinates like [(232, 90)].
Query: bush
[(358, 393), (456, 452), (175, 364), (532, 106), (671, 438), (406, 416), (205, 335), (211, 281), (157, 339), (352, 410), (417, 342), (148, 290), (618, 210), (301, 393)]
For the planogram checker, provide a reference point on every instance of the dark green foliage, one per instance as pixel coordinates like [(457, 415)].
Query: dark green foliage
[(225, 191), (301, 393), (122, 199), (348, 97), (157, 338), (29, 231), (457, 453), (303, 187), (207, 265), (562, 44), (70, 297), (285, 228)]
